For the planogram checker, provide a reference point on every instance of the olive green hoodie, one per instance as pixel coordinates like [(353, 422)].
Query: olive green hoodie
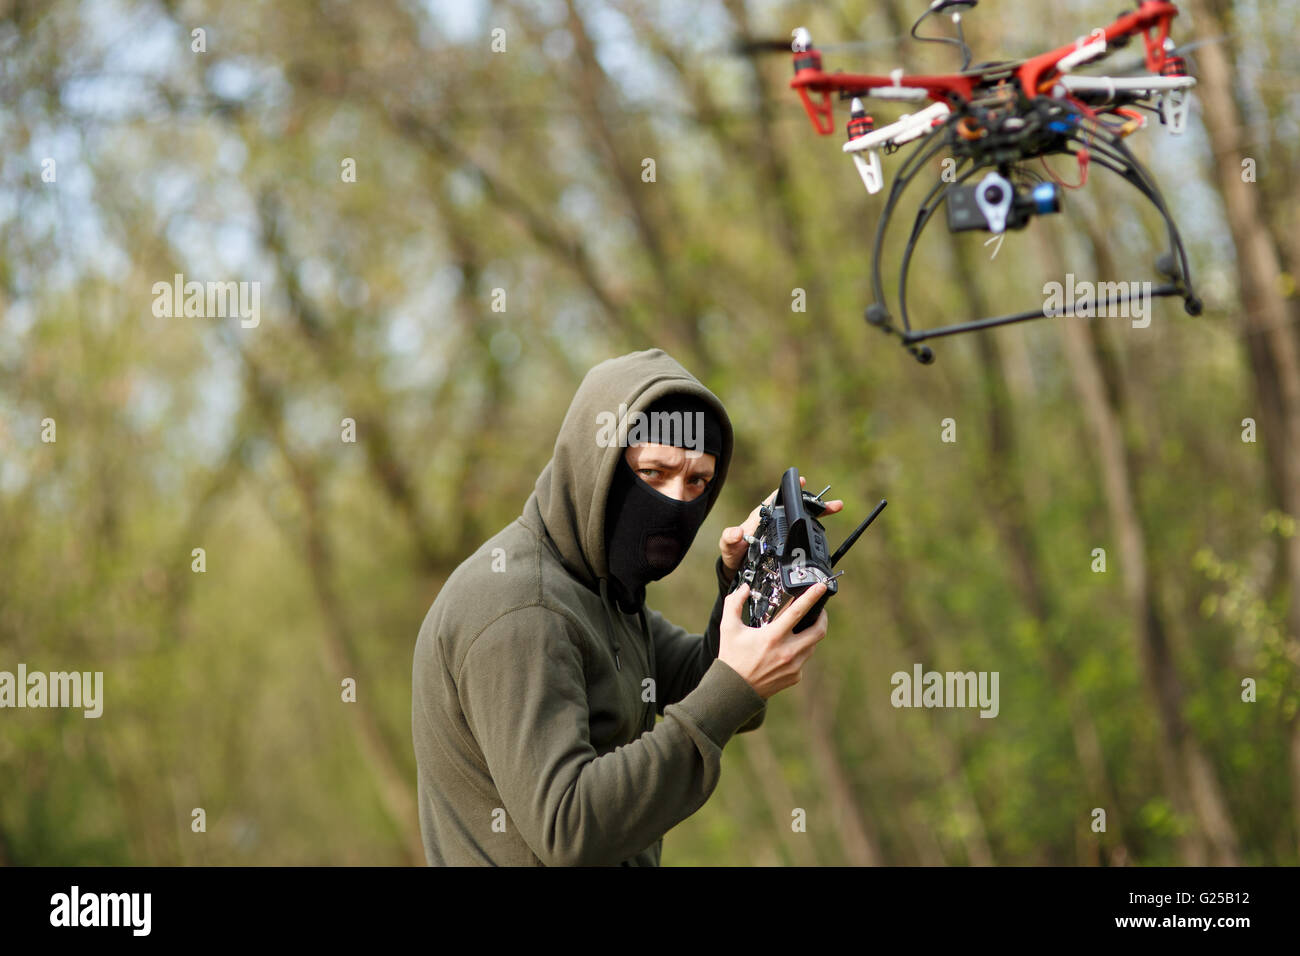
[(534, 695)]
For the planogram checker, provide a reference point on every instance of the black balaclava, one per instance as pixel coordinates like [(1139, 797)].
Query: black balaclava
[(648, 533)]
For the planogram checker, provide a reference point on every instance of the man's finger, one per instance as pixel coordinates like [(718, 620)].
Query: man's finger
[(819, 627), (800, 606), (832, 507), (736, 600), (732, 546)]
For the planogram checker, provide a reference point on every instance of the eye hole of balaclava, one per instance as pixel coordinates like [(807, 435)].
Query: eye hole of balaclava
[(647, 533)]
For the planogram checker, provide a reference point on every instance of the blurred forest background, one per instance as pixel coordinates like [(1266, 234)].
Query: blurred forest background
[(522, 171)]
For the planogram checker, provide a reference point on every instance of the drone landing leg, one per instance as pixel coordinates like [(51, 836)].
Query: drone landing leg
[(920, 335), (877, 314), (1116, 156)]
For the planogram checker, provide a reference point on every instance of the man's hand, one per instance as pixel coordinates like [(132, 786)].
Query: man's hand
[(732, 544), (770, 657)]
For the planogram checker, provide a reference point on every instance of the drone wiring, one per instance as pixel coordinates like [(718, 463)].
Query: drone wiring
[(938, 6)]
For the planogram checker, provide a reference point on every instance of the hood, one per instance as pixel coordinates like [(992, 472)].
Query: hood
[(573, 487)]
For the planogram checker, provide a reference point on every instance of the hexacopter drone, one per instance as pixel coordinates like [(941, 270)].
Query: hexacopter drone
[(997, 117)]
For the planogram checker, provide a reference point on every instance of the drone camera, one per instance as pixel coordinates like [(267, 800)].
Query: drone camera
[(995, 205), (993, 196)]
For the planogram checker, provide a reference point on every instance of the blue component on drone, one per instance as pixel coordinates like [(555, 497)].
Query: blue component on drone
[(1047, 198), (1063, 126)]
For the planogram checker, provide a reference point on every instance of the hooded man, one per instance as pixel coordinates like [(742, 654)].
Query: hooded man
[(538, 670)]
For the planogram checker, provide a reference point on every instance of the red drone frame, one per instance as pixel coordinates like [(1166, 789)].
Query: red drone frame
[(1152, 15)]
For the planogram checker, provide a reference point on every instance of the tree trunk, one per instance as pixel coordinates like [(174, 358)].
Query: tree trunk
[(1266, 321), (861, 848), (766, 766), (917, 643), (1010, 514), (1189, 777), (396, 792)]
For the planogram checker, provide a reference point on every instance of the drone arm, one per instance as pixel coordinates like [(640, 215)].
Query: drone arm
[(1126, 84), (1151, 14), (908, 128), (1085, 53), (810, 80), (904, 130), (935, 87)]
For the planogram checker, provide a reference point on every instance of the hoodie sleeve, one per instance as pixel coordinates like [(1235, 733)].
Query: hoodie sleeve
[(524, 696), (681, 658)]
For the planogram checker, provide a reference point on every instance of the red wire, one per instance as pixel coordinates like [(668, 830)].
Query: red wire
[(1081, 155)]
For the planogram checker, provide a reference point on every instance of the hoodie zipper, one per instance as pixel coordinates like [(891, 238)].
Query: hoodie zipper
[(611, 630), (650, 659), (610, 627)]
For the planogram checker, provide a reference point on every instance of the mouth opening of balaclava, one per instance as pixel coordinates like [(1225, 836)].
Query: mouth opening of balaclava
[(648, 533)]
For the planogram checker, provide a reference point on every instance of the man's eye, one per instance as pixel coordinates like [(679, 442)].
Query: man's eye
[(647, 471)]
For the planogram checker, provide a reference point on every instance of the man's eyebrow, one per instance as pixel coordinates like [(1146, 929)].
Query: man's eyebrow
[(651, 461)]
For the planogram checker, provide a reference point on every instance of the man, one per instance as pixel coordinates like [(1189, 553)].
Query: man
[(538, 670)]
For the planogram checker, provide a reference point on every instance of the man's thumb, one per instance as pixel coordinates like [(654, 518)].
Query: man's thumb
[(736, 600)]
